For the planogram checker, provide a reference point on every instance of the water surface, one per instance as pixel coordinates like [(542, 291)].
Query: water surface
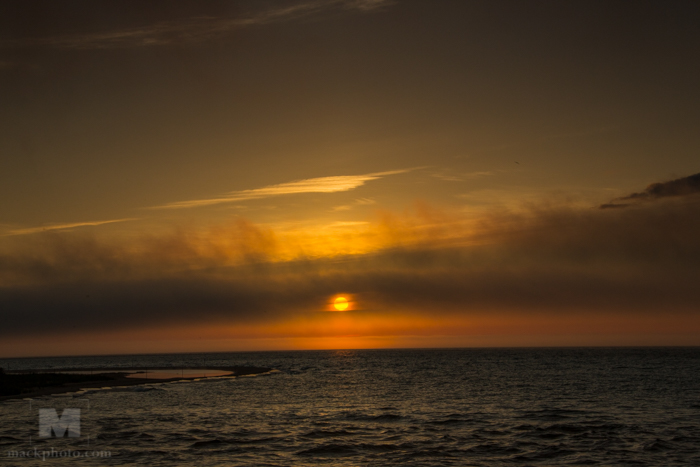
[(389, 407)]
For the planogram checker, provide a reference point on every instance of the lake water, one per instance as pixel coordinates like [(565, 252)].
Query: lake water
[(480, 407)]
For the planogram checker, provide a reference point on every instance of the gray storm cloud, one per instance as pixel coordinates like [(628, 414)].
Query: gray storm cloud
[(679, 187)]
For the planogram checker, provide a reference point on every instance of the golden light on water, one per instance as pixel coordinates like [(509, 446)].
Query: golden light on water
[(341, 304)]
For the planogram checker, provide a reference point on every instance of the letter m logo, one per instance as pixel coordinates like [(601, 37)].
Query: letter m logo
[(69, 422)]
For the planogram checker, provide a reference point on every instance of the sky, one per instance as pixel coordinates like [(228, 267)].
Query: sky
[(211, 176)]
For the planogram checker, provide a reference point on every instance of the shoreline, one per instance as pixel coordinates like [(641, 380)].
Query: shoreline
[(119, 377)]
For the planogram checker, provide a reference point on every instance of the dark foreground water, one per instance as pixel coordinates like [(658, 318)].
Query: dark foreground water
[(384, 407)]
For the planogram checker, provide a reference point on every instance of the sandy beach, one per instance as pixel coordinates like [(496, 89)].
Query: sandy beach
[(108, 377)]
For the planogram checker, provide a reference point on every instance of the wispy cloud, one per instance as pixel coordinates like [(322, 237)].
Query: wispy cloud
[(311, 185), (73, 225), (460, 177), (193, 30), (357, 202)]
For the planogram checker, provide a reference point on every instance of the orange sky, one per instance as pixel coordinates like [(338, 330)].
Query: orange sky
[(212, 175)]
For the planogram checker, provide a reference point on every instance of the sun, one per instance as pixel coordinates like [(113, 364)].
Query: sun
[(341, 304)]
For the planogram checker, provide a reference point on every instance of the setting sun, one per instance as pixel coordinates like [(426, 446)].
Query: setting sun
[(341, 304)]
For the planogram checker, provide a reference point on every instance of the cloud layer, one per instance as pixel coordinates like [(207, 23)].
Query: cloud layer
[(558, 261)]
